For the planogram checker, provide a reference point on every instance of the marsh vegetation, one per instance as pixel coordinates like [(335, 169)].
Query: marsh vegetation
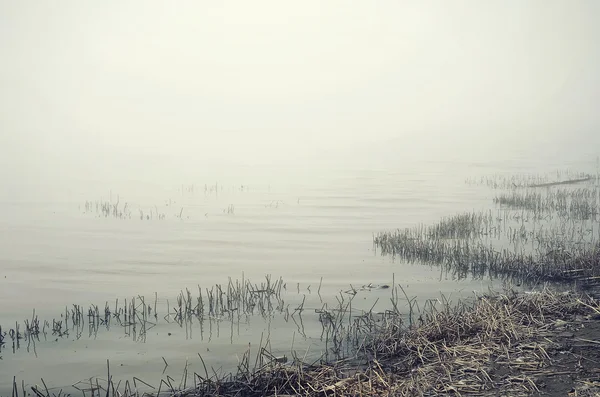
[(536, 229)]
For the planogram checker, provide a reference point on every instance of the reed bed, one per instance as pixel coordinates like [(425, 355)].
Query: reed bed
[(493, 344), (108, 209), (116, 209), (560, 177), (464, 257), (466, 225), (234, 302), (578, 204), (533, 234)]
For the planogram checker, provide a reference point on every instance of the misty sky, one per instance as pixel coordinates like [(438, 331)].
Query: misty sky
[(89, 85)]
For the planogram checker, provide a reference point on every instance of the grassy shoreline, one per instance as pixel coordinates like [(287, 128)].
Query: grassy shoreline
[(510, 344)]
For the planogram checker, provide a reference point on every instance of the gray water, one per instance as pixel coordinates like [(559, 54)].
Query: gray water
[(303, 227)]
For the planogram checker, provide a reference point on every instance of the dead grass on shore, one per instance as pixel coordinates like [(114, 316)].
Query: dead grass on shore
[(509, 344), (499, 344)]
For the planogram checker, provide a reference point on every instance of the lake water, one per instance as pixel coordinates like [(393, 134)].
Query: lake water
[(303, 227)]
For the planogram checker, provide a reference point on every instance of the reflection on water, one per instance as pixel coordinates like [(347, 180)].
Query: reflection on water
[(108, 270)]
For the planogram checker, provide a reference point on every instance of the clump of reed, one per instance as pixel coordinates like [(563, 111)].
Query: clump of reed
[(213, 188), (578, 204), (464, 257), (560, 177), (34, 329), (235, 301), (465, 225), (549, 234), (108, 209), (528, 200)]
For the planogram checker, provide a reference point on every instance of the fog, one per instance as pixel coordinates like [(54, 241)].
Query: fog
[(149, 148), (172, 91)]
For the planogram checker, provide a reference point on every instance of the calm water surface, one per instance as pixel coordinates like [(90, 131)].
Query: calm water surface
[(302, 228)]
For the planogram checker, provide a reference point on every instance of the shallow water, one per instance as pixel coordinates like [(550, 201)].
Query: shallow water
[(303, 228)]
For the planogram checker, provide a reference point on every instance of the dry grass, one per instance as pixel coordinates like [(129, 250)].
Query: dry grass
[(138, 315), (533, 234), (463, 349), (497, 344), (560, 177)]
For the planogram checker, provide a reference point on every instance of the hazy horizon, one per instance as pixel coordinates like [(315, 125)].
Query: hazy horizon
[(108, 89)]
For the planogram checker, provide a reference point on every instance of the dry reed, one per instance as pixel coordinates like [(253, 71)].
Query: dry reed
[(495, 344)]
